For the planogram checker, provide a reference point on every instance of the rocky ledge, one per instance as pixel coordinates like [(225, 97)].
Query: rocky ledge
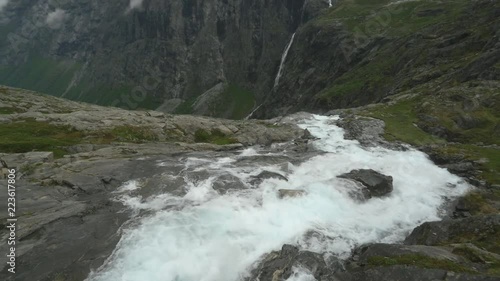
[(70, 157), (85, 152)]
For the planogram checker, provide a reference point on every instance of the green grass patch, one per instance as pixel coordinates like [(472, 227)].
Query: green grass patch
[(372, 18), (234, 102), (400, 121), (479, 204), (369, 77), (214, 137), (419, 261), (401, 117), (124, 133), (489, 158), (129, 133), (29, 135)]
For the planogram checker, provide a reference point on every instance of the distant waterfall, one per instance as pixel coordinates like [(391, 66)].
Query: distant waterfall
[(251, 113), (283, 59), (330, 3)]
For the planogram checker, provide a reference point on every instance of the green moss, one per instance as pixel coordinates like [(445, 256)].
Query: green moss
[(125, 133), (479, 203), (234, 102), (419, 261), (371, 18), (488, 157), (402, 116), (400, 119), (215, 137), (368, 77), (29, 135)]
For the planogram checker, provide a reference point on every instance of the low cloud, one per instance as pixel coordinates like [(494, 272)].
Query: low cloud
[(55, 19), (3, 3), (134, 4)]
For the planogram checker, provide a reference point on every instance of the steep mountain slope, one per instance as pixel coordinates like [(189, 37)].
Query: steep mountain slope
[(361, 51), (111, 53), (433, 67)]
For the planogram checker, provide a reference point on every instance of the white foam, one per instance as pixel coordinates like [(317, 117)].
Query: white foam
[(300, 274), (219, 237), (129, 186)]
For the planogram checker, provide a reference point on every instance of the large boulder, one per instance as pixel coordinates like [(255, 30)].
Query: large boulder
[(375, 184), (258, 179), (279, 265), (483, 229)]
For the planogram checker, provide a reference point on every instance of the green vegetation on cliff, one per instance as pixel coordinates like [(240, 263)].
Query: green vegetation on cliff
[(234, 102)]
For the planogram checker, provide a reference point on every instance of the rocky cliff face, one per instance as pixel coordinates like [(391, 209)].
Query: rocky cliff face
[(220, 58), (360, 52), (149, 54)]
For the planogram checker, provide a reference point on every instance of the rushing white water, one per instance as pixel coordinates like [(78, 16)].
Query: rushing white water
[(330, 3), (207, 236), (283, 59)]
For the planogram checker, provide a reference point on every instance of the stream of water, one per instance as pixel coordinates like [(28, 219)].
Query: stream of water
[(283, 60), (208, 235)]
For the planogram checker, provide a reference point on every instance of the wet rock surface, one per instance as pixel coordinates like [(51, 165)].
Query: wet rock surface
[(69, 212), (279, 265), (375, 184), (477, 228), (258, 179), (69, 218), (368, 131)]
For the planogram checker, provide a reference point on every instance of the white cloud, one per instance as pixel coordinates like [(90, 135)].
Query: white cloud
[(55, 19), (134, 4), (3, 3)]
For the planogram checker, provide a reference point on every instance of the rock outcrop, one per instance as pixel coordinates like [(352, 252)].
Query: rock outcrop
[(258, 179), (375, 184), (279, 265), (479, 228), (153, 54)]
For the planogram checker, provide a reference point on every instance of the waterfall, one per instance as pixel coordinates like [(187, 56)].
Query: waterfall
[(283, 59), (330, 3), (253, 111)]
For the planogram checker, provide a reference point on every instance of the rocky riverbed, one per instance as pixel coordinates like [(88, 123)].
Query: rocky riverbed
[(264, 197)]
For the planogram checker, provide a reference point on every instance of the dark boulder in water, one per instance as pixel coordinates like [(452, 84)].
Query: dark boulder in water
[(375, 183), (279, 265), (258, 179)]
